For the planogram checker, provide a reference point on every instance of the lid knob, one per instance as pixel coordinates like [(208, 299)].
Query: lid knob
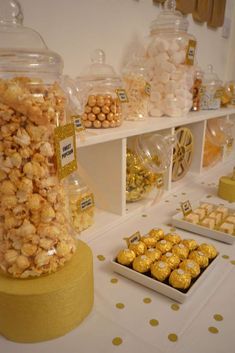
[(98, 56), (170, 5), (10, 12)]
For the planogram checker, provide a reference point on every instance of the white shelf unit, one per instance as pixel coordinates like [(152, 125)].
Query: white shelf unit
[(102, 163)]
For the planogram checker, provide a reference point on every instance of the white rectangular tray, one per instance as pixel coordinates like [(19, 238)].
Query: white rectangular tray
[(160, 287), (177, 221)]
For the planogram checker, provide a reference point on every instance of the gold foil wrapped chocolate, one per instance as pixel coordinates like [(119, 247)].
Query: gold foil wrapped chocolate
[(160, 270), (180, 250), (142, 264), (138, 247), (164, 246), (157, 233), (172, 237), (200, 258), (126, 257), (153, 254), (191, 267), (209, 250), (149, 241), (171, 259), (180, 279), (190, 243)]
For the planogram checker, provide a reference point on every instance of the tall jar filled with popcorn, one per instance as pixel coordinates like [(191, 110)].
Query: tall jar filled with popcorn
[(170, 55), (37, 152)]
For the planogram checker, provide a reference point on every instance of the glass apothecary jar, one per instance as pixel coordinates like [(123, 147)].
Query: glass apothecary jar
[(35, 234), (211, 90), (170, 55), (81, 203), (135, 80), (197, 89), (100, 83), (229, 91), (147, 159)]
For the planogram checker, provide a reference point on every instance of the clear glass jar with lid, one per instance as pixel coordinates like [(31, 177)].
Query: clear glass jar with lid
[(170, 54), (81, 202), (211, 88), (100, 83), (147, 159), (135, 80), (35, 234)]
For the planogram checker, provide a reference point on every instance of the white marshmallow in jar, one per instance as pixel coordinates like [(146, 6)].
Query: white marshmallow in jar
[(170, 61)]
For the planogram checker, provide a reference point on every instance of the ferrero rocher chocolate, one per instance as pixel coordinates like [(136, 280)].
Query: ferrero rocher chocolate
[(160, 270), (191, 267), (190, 243), (200, 258), (153, 254), (174, 238), (125, 257), (164, 246), (209, 250), (180, 250), (149, 241), (180, 279), (157, 233), (142, 264), (171, 259), (138, 247)]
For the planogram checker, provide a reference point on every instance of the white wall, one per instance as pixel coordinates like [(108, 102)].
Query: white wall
[(73, 28)]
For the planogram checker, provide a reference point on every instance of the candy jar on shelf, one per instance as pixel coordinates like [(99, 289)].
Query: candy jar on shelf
[(170, 60), (100, 83), (197, 89), (211, 90)]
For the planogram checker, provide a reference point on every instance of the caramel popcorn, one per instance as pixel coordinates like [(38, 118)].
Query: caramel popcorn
[(34, 230)]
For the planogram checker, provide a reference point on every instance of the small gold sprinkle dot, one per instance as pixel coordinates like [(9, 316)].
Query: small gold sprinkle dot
[(114, 280), (208, 196), (144, 215), (225, 256), (232, 262), (174, 195), (175, 307), (169, 225), (202, 183), (167, 201), (153, 322), (147, 300), (100, 257), (178, 209), (212, 329), (120, 306), (117, 341), (172, 229), (184, 193), (173, 337), (218, 317)]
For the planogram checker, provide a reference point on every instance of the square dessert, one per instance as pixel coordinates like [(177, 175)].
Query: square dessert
[(192, 218), (223, 210), (200, 212), (208, 223), (231, 219), (227, 228), (208, 207), (217, 216)]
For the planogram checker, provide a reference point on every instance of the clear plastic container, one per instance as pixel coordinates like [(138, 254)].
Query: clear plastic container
[(81, 203), (137, 87), (148, 158), (35, 234), (105, 93), (170, 55), (211, 90)]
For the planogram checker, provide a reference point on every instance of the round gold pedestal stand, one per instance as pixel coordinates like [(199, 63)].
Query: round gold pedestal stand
[(41, 309)]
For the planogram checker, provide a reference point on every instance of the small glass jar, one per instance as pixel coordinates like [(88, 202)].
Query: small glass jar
[(148, 157), (211, 90), (134, 76), (81, 203), (197, 89), (230, 92), (105, 93), (170, 56)]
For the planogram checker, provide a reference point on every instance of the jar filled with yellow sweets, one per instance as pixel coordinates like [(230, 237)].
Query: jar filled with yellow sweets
[(106, 95), (147, 159), (81, 203), (37, 152)]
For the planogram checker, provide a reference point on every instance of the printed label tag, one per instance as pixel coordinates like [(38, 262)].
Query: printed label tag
[(122, 95), (190, 53), (160, 182), (134, 237), (78, 123), (230, 143), (147, 89), (65, 148), (86, 202), (186, 208)]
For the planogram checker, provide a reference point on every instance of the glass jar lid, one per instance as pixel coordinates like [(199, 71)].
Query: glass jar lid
[(170, 19), (219, 131), (137, 64), (210, 77)]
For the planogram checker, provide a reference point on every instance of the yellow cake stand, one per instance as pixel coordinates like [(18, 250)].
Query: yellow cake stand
[(34, 310), (227, 187)]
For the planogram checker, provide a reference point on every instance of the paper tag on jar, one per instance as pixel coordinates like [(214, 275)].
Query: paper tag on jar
[(78, 123), (160, 182), (65, 148), (147, 89), (134, 237), (122, 95), (190, 53), (230, 144), (186, 208), (86, 202)]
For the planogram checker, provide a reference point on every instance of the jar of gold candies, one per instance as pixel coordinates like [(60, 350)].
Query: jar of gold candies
[(103, 88), (37, 152), (81, 203), (147, 159)]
